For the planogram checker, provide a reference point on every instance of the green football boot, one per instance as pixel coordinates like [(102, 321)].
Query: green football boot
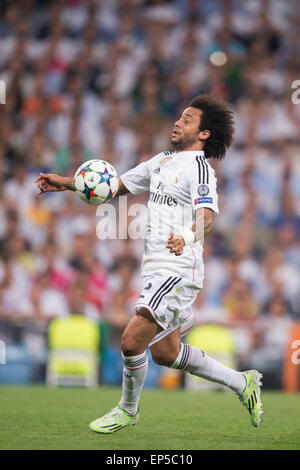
[(113, 421), (251, 396)]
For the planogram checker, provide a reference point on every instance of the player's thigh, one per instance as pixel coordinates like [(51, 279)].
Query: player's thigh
[(165, 351), (139, 332)]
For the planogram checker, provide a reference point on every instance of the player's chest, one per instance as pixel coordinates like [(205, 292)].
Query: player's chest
[(168, 178)]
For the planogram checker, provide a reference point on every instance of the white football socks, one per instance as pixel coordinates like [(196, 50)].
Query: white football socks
[(196, 362), (134, 374)]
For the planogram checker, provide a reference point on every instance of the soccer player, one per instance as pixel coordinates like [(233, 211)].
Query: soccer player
[(182, 203)]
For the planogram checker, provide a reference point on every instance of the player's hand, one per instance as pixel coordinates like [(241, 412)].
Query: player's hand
[(175, 244), (48, 182)]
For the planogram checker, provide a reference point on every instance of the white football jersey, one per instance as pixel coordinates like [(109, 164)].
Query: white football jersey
[(179, 183)]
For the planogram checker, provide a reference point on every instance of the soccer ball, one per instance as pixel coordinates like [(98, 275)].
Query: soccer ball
[(96, 182)]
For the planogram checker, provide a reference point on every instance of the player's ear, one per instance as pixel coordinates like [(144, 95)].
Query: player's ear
[(203, 135)]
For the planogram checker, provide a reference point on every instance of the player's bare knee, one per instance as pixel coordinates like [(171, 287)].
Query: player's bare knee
[(159, 359), (129, 345), (165, 354), (163, 359)]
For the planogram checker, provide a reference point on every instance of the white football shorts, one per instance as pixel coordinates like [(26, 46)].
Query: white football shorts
[(169, 300)]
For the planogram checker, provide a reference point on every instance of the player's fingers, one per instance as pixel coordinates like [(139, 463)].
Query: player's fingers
[(43, 187), (43, 177)]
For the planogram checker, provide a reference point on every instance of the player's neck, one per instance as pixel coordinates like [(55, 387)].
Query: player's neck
[(190, 148)]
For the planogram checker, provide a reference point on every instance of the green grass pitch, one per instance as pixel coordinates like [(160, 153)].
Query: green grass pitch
[(42, 418)]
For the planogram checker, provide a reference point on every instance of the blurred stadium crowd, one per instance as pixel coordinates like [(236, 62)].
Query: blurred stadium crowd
[(107, 79)]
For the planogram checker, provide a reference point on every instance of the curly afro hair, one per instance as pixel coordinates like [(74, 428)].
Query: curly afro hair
[(217, 117)]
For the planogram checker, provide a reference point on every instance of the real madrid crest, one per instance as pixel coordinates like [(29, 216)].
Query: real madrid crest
[(177, 178)]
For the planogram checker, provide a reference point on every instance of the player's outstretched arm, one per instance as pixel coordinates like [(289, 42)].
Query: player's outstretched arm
[(201, 227), (50, 182)]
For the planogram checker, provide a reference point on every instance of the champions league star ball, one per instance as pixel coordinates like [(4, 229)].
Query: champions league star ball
[(96, 182)]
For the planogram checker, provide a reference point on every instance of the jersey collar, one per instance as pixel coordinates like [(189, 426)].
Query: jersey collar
[(192, 153)]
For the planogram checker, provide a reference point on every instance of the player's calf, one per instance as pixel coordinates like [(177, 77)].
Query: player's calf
[(197, 362)]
